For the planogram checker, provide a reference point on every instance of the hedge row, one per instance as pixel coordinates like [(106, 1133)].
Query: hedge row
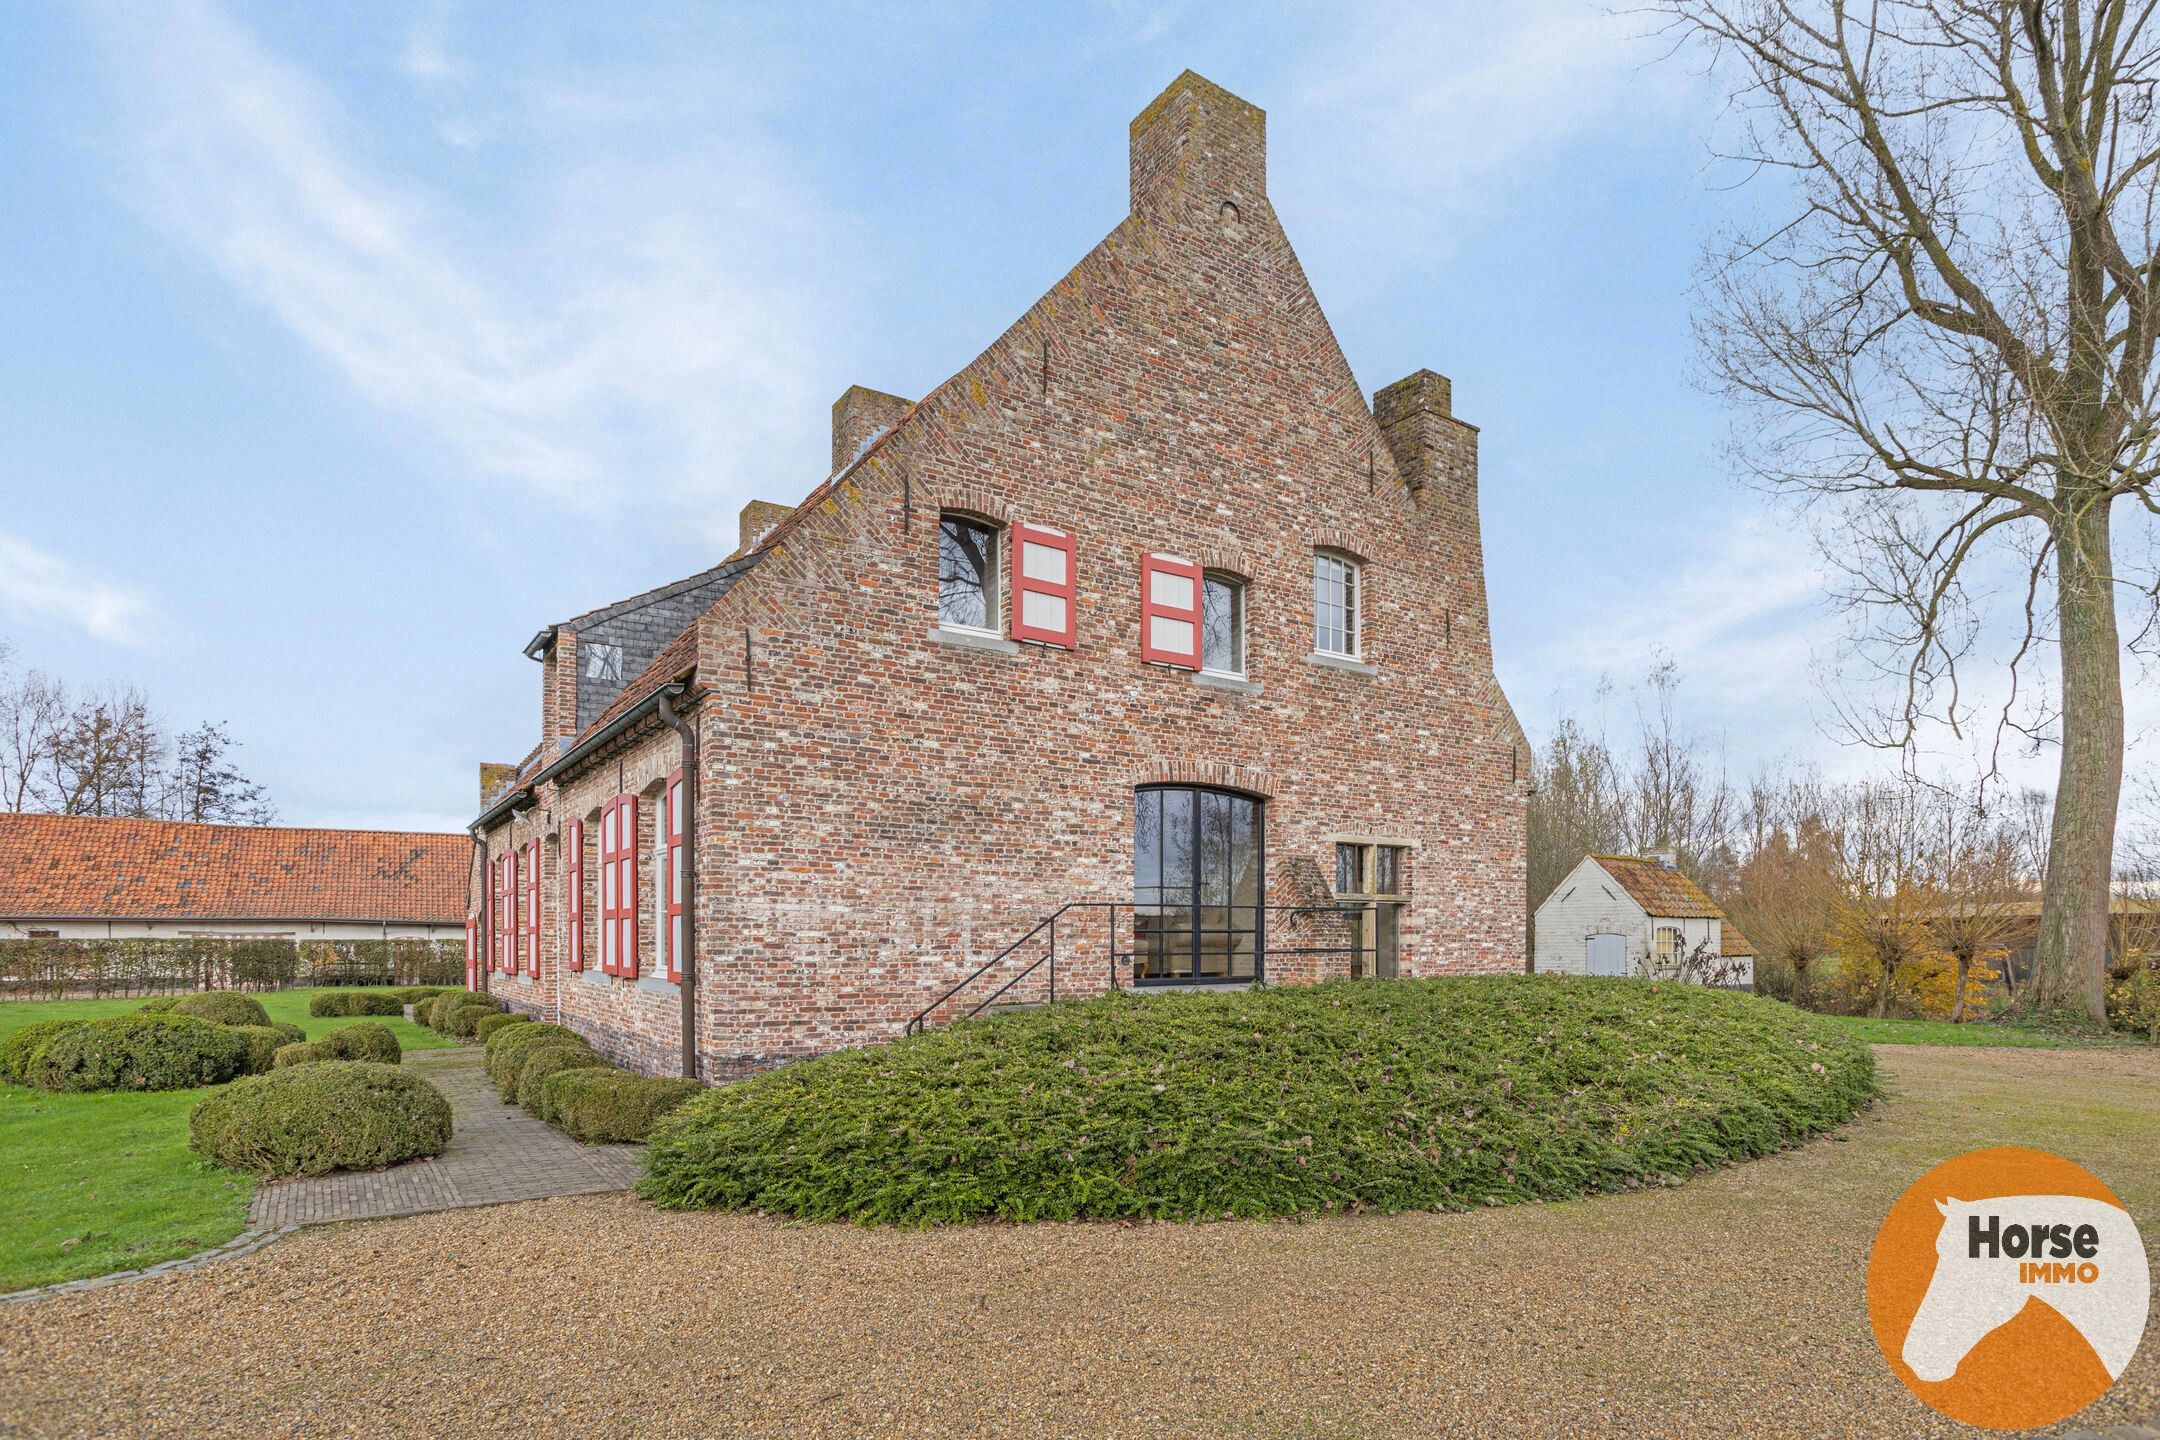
[(355, 1002), (46, 968), (555, 1073)]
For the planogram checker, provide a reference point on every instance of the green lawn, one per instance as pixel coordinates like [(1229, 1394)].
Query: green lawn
[(95, 1183), (1978, 1032)]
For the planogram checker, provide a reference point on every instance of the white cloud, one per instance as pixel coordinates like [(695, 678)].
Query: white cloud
[(38, 585), (620, 325), (1423, 112)]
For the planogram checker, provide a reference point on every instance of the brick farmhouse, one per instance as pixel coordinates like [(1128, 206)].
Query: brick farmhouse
[(1139, 652)]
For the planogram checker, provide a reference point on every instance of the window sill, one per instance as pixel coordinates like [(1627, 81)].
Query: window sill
[(1342, 662), (973, 640), (1217, 680), (658, 985)]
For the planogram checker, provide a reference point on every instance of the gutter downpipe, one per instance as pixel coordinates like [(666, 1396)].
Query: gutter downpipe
[(688, 959), (487, 912)]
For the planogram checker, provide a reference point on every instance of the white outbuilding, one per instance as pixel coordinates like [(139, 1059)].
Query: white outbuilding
[(1637, 915)]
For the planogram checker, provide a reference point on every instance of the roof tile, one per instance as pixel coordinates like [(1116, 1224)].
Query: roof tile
[(74, 866)]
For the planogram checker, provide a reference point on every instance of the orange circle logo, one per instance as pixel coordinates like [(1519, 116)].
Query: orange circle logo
[(2008, 1288)]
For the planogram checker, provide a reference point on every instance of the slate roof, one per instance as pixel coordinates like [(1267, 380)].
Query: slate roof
[(77, 867), (1663, 894)]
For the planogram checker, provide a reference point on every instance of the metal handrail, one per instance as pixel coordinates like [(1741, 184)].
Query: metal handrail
[(1339, 906)]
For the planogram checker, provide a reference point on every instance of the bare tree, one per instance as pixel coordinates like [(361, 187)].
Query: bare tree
[(107, 757), (32, 711), (1978, 895), (1950, 338), (205, 785), (1785, 894), (1881, 917)]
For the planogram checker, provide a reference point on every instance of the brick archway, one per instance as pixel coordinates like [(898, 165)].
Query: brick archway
[(1251, 779)]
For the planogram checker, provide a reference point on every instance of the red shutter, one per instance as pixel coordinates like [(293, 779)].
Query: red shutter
[(1044, 587), (1170, 611), (629, 886), (517, 915), (618, 886), (610, 876), (499, 918), (574, 893), (532, 908), (671, 877), (472, 951)]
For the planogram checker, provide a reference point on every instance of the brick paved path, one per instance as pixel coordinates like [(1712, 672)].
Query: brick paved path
[(497, 1152)]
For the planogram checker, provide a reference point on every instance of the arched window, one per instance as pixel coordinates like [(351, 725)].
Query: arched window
[(1198, 885)]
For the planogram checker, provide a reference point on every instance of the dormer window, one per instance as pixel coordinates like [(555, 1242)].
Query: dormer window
[(967, 573), (603, 662)]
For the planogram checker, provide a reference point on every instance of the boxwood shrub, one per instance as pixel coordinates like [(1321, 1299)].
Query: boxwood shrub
[(366, 1040), (537, 1062), (160, 1005), (222, 1007), (598, 1105), (461, 1018), (309, 1119), (502, 1019), (293, 1033), (509, 1044), (417, 995), (304, 1053), (138, 1052), (20, 1049), (259, 1047), (331, 1003)]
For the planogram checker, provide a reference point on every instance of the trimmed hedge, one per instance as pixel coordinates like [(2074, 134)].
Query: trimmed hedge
[(331, 1003), (293, 1033), (612, 1106), (416, 994), (19, 1050), (222, 1007), (304, 1053), (310, 1119), (464, 1017), (160, 1005), (510, 1043), (260, 1045), (501, 1020), (366, 1040), (1353, 1095), (138, 1052), (537, 1062)]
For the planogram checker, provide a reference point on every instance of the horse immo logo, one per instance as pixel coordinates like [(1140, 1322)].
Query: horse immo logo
[(2008, 1288)]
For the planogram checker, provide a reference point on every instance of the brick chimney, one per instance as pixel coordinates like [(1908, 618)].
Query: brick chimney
[(858, 417), (1432, 449), (758, 519), (559, 687), (1200, 147)]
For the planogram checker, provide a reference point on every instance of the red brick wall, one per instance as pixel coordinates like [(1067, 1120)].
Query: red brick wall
[(880, 812)]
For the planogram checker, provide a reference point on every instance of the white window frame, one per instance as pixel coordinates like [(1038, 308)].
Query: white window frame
[(1353, 606), (1238, 584), (993, 607)]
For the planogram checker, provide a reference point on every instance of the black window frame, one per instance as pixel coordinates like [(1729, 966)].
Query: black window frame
[(1236, 918)]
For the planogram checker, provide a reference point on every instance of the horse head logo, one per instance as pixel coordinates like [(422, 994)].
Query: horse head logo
[(1988, 1267)]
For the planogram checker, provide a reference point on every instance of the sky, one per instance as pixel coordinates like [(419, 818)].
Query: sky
[(344, 347)]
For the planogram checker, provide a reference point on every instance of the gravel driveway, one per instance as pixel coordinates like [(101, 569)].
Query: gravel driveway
[(1731, 1306)]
